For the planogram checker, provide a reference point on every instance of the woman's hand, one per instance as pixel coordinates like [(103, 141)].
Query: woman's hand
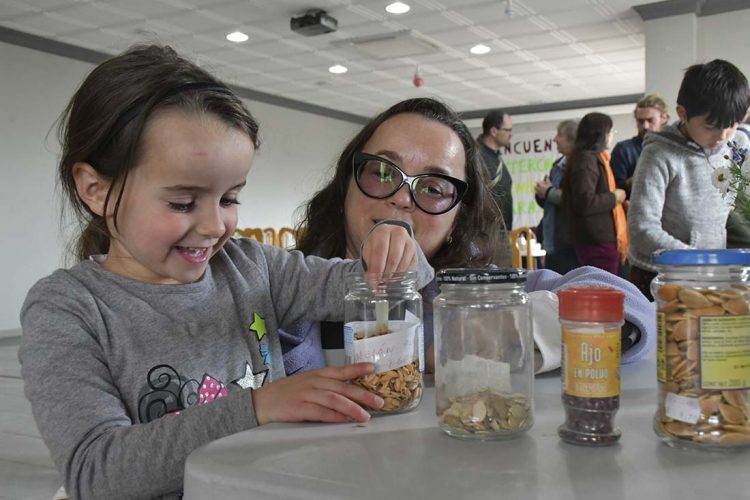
[(541, 187), (389, 248), (320, 395), (620, 195)]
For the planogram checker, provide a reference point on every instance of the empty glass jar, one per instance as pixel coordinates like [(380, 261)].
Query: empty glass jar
[(383, 325), (484, 368), (703, 348)]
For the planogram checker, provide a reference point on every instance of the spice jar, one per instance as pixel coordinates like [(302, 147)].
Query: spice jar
[(591, 320), (383, 325), (484, 368), (703, 348)]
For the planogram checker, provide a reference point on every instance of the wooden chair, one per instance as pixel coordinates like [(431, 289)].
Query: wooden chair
[(250, 232), (270, 237), (516, 259), (287, 237)]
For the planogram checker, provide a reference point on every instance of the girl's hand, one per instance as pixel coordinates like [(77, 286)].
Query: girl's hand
[(389, 248), (320, 395)]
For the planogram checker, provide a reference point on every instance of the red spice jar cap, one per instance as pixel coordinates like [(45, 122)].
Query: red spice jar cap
[(591, 304)]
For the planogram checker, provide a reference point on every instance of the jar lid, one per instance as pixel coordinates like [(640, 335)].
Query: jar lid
[(484, 276), (591, 304), (701, 257)]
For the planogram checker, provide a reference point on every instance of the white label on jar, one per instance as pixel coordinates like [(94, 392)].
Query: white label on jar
[(682, 408), (473, 374), (412, 318), (388, 351)]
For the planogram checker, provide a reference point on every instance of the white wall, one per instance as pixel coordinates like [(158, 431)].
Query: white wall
[(725, 36), (676, 42), (297, 151)]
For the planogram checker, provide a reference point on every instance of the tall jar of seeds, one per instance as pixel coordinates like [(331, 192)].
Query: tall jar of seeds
[(703, 348), (484, 373), (383, 325)]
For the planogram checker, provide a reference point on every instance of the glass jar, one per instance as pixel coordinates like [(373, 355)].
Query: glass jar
[(703, 348), (383, 325), (484, 367), (591, 321)]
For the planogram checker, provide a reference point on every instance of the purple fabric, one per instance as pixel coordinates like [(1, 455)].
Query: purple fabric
[(302, 349), (602, 255), (638, 310)]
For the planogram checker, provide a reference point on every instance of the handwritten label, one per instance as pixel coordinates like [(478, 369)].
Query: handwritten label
[(472, 374), (682, 408), (389, 351)]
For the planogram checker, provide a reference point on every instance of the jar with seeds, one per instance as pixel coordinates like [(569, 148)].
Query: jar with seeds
[(703, 348), (383, 325), (484, 368), (591, 320)]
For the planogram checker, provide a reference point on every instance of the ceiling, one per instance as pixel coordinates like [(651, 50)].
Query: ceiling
[(548, 51)]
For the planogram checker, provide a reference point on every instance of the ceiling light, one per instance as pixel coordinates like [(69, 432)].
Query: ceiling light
[(479, 49), (509, 8), (237, 36), (337, 69), (397, 8)]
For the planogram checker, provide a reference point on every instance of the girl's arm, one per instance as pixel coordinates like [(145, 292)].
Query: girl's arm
[(584, 177)]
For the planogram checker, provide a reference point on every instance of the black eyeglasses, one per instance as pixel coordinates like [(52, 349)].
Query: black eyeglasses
[(380, 178)]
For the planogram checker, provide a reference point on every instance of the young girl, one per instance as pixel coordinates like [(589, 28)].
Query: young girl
[(165, 312)]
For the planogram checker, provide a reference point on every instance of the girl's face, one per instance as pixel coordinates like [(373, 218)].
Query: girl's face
[(180, 202), (418, 146)]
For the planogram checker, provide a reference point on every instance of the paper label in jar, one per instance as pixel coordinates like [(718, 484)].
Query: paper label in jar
[(661, 347), (682, 408), (592, 363), (724, 352), (471, 375), (388, 351)]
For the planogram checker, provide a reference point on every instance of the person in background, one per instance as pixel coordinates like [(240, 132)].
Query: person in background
[(163, 337), (674, 204), (561, 256), (651, 114), (497, 130), (416, 162), (593, 212)]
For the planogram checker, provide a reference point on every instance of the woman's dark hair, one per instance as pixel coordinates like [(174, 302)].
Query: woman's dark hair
[(717, 89), (592, 132), (104, 122), (476, 229)]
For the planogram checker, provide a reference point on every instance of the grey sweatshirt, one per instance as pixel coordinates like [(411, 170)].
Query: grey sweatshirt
[(118, 371), (673, 204)]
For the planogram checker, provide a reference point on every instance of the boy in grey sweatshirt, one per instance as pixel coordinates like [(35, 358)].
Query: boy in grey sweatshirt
[(674, 204)]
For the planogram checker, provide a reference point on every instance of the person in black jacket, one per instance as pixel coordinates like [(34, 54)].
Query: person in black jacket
[(497, 129)]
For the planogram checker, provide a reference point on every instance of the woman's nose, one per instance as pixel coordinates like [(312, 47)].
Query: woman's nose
[(402, 198)]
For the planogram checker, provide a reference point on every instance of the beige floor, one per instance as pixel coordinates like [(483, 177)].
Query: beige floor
[(26, 470)]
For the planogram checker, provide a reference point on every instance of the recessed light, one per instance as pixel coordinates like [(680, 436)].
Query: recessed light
[(337, 69), (237, 37), (397, 8), (479, 49)]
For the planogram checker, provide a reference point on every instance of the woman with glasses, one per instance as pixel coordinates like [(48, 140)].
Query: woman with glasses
[(416, 162)]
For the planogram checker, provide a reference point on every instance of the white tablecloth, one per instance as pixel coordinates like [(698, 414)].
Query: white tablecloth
[(408, 457)]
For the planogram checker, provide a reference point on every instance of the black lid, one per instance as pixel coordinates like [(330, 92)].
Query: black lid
[(481, 276)]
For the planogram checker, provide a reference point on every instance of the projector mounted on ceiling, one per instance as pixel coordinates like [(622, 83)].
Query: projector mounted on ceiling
[(313, 22)]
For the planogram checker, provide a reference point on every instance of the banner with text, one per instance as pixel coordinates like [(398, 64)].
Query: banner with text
[(529, 158)]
